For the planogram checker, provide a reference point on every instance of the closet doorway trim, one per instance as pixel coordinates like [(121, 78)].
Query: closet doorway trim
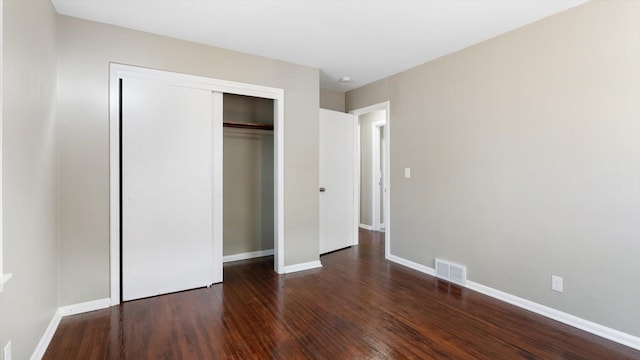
[(119, 72)]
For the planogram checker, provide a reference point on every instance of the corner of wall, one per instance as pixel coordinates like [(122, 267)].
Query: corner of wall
[(332, 100)]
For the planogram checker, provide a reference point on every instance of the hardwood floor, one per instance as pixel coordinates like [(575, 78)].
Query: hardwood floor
[(358, 306)]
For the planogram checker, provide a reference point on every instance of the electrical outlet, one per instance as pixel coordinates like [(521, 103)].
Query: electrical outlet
[(556, 283), (7, 351)]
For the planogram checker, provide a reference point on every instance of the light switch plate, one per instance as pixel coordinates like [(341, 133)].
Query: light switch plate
[(407, 172)]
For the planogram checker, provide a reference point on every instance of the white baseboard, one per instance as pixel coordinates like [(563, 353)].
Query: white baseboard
[(247, 255), (63, 311), (303, 266), (413, 265), (563, 317), (366, 227), (38, 353), (84, 307)]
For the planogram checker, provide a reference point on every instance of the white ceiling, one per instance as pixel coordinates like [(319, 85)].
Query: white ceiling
[(364, 39)]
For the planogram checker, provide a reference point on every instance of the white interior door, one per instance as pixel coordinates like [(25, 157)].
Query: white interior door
[(338, 221), (167, 188)]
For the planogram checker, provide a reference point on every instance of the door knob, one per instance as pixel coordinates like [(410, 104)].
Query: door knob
[(322, 189)]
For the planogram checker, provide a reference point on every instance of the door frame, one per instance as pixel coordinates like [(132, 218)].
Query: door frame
[(121, 71), (387, 136), (376, 163)]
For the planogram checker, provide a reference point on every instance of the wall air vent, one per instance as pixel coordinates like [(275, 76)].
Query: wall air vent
[(452, 272)]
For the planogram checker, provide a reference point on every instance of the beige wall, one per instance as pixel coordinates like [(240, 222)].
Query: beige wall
[(29, 299), (366, 127), (525, 161), (85, 50), (332, 100), (248, 191), (247, 109)]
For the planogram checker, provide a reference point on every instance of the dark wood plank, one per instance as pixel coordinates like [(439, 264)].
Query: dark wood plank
[(358, 306)]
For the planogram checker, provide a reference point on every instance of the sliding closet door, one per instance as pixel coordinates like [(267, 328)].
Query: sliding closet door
[(167, 188)]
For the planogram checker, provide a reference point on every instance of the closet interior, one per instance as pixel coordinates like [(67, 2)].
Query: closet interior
[(248, 177)]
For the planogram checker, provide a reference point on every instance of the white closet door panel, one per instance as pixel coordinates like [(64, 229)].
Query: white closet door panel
[(167, 189), (337, 174)]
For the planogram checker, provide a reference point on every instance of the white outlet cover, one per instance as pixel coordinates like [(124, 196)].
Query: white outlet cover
[(556, 283), (7, 351), (407, 172)]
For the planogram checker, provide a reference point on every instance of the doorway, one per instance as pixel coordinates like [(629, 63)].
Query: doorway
[(120, 74), (378, 169), (248, 226), (374, 144)]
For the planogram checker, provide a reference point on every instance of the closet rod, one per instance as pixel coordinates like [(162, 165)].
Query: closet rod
[(233, 124)]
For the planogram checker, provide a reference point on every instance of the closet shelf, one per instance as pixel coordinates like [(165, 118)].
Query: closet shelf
[(241, 125)]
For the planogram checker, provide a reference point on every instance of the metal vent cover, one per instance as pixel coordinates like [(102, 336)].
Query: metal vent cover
[(452, 272)]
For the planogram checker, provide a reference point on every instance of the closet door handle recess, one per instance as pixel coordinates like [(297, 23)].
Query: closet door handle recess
[(322, 189)]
